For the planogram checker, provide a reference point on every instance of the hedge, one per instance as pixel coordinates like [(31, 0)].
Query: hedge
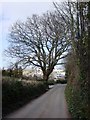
[(61, 81), (16, 93), (77, 104)]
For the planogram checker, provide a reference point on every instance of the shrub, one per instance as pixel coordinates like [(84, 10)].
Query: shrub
[(76, 89), (61, 81), (16, 93), (51, 82), (77, 106)]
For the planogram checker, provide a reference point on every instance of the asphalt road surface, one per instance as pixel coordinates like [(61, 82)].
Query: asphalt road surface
[(52, 104)]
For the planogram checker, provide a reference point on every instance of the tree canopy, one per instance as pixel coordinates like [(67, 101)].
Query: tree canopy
[(40, 41)]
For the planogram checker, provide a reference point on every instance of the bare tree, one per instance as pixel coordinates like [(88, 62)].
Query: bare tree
[(76, 16), (40, 41)]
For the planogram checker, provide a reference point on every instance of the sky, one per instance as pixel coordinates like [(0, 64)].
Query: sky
[(10, 12)]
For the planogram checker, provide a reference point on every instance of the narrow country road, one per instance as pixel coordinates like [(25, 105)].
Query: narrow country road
[(52, 104)]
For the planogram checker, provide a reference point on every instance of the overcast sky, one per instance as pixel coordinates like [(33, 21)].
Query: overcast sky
[(10, 12)]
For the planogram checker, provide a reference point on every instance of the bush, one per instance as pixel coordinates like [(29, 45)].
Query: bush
[(51, 82), (77, 106), (61, 81), (16, 93), (76, 89)]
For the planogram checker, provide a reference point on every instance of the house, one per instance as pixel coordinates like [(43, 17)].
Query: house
[(58, 74), (37, 72)]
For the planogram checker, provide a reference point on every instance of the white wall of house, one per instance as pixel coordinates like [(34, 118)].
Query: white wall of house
[(56, 74), (33, 72)]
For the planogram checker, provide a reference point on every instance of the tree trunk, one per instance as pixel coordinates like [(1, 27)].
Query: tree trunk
[(45, 78)]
